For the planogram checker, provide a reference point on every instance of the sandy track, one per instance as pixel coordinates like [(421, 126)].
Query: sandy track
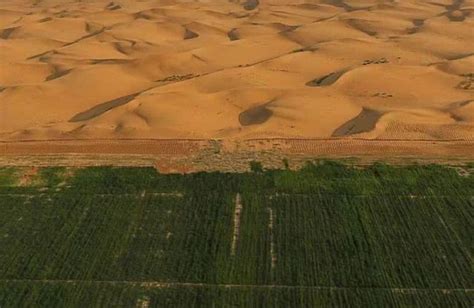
[(165, 284), (229, 155), (330, 147)]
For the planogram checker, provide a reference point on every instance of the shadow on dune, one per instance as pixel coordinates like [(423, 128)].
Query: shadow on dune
[(251, 4), (342, 4), (454, 12), (325, 80), (45, 19), (58, 73), (113, 6), (255, 115), (110, 61), (102, 108), (359, 26), (364, 122), (188, 34), (5, 34), (417, 24), (233, 35)]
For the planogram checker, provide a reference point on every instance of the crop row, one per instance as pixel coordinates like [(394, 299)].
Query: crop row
[(24, 294), (305, 240), (325, 235)]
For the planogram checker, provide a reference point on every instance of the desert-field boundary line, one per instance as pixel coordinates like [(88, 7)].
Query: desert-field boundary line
[(330, 146), (163, 284), (228, 155)]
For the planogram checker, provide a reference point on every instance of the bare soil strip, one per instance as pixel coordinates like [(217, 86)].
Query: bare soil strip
[(143, 302), (141, 195), (329, 146), (181, 195), (272, 242), (163, 284), (411, 196), (192, 155), (456, 236), (237, 213)]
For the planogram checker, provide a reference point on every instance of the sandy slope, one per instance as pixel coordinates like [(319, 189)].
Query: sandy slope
[(376, 69)]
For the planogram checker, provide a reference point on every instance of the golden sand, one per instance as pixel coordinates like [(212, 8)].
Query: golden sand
[(228, 69)]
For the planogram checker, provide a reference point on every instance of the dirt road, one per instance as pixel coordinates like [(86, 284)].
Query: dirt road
[(228, 155)]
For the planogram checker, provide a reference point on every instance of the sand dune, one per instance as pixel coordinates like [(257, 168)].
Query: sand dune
[(375, 69)]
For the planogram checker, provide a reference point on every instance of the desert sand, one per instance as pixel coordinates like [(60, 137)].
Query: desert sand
[(166, 69)]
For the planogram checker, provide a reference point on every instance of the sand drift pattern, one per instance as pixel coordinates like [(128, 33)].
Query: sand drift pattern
[(178, 69)]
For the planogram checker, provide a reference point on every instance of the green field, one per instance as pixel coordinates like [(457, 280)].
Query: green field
[(327, 235)]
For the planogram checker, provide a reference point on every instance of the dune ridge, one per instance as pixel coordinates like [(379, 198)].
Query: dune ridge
[(237, 69)]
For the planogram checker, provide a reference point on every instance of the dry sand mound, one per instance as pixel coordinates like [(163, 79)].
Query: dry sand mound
[(376, 69)]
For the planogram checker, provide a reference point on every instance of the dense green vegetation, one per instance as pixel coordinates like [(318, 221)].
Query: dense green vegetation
[(21, 294), (327, 235)]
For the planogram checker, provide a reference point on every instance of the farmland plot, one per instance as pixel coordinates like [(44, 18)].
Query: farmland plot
[(327, 235)]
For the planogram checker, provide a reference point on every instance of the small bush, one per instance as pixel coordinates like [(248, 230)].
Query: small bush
[(256, 166)]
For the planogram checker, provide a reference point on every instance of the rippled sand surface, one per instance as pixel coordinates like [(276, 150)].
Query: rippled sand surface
[(251, 69)]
